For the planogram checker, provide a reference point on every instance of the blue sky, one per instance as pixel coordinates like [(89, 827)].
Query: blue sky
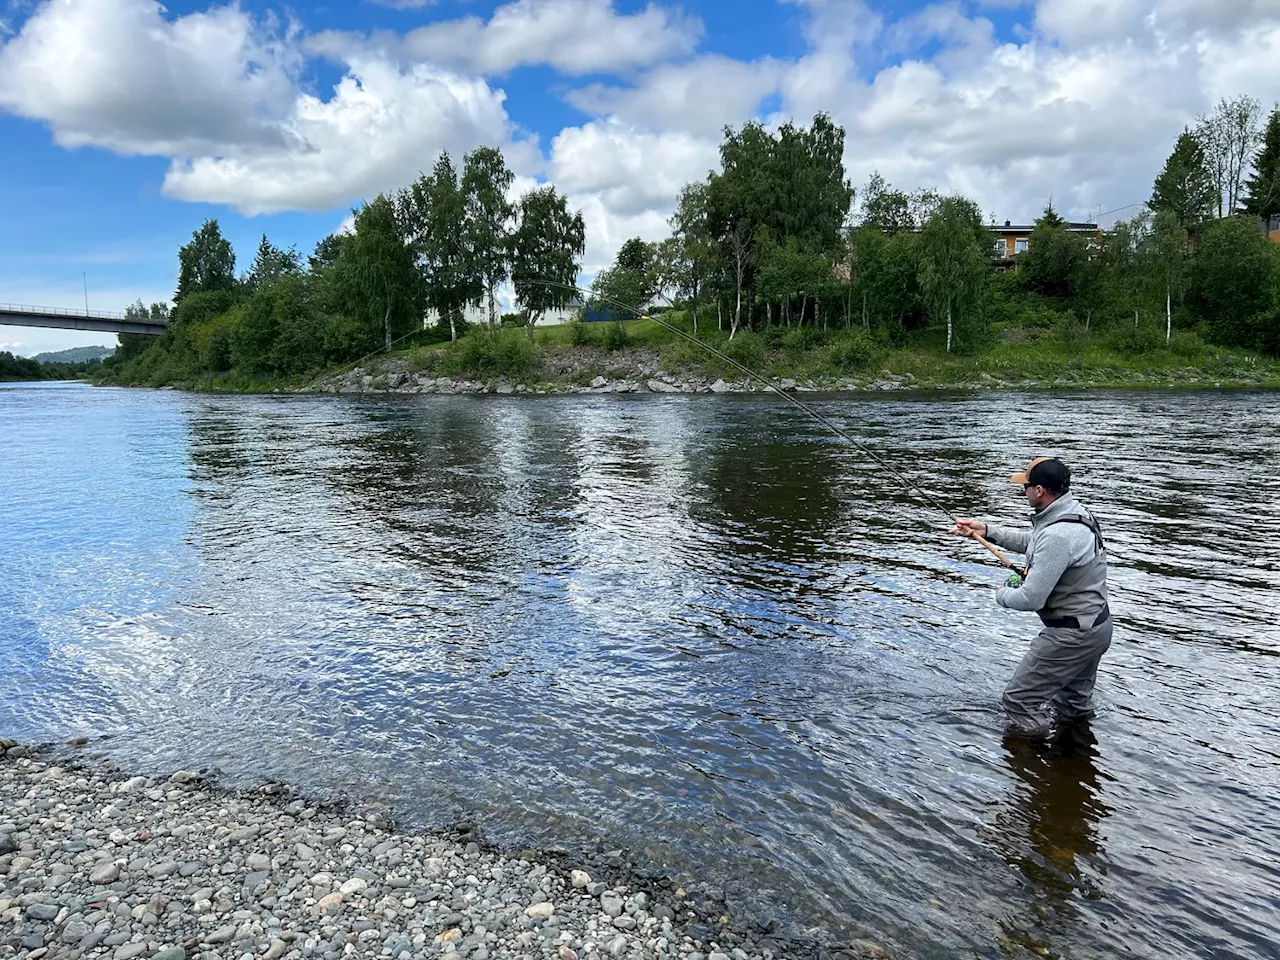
[(124, 124)]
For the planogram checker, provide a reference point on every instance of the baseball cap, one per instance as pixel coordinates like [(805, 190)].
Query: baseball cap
[(1048, 472)]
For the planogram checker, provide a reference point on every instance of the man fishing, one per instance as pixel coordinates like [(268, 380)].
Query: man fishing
[(1066, 584)]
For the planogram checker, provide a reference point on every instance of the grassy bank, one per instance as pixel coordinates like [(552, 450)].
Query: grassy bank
[(571, 355)]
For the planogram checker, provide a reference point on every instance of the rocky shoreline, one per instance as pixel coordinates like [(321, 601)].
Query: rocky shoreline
[(98, 864), (587, 371), (639, 374)]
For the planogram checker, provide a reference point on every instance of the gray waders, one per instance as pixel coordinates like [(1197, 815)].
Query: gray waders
[(1054, 681)]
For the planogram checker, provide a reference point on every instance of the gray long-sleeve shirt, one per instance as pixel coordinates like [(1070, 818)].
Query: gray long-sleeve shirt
[(1050, 548)]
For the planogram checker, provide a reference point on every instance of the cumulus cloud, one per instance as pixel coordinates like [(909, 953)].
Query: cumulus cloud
[(574, 36), (117, 74), (1089, 21), (216, 93), (380, 128), (699, 96), (625, 180)]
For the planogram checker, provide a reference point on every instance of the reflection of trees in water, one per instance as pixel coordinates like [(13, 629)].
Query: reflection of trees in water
[(1049, 833), (773, 495)]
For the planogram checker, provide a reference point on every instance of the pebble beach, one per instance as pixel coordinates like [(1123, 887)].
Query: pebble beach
[(95, 863)]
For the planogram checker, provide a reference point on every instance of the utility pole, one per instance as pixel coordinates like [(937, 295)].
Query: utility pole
[(85, 277)]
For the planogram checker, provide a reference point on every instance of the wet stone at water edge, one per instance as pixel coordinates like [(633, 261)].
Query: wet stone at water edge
[(303, 881)]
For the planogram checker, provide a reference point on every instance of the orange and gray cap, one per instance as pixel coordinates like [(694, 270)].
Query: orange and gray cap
[(1048, 472)]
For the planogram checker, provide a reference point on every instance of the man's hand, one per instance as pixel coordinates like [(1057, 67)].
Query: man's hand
[(969, 528)]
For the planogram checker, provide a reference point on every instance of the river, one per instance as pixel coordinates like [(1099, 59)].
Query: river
[(698, 628)]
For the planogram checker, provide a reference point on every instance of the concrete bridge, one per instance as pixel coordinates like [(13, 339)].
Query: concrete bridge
[(98, 321)]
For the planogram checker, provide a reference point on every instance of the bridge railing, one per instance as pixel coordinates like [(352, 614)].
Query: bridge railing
[(65, 312)]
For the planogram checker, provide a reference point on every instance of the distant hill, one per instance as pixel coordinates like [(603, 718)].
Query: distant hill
[(75, 355)]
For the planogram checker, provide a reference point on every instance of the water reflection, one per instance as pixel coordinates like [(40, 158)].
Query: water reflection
[(1050, 830)]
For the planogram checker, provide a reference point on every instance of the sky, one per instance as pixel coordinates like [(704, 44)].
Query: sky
[(124, 124)]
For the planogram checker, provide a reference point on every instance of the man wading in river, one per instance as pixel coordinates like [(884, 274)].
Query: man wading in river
[(1066, 584)]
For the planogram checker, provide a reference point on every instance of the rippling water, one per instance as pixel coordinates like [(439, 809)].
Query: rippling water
[(696, 626)]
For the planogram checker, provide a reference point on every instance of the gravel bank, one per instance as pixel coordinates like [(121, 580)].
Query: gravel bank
[(586, 370), (98, 865)]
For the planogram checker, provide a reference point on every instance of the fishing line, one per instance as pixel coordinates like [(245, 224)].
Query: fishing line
[(355, 363)]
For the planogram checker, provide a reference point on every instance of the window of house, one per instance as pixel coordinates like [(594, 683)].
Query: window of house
[(1020, 245), (1001, 249)]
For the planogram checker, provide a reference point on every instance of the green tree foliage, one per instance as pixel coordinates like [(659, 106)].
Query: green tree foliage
[(688, 258), (14, 368), (379, 277), (886, 285), (1234, 281), (788, 184), (1263, 188), (1228, 137), (270, 264), (1052, 263), (1165, 253), (433, 212), (792, 274), (892, 211), (485, 184), (631, 281), (545, 252), (206, 263), (1184, 186), (765, 242), (953, 269)]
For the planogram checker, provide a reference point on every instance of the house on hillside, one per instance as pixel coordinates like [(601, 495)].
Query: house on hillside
[(477, 314), (1013, 239), (572, 310), (472, 313), (1271, 227)]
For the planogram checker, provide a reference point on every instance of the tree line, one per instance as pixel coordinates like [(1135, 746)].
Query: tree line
[(14, 368), (447, 240), (774, 238)]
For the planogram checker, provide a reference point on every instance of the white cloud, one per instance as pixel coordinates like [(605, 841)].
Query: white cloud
[(117, 74), (1077, 22), (574, 36), (839, 24), (382, 126), (1086, 122), (944, 22), (1232, 66), (215, 93), (625, 180), (700, 96)]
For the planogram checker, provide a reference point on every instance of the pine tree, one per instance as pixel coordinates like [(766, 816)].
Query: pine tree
[(270, 264), (206, 263), (1263, 199), (1185, 187)]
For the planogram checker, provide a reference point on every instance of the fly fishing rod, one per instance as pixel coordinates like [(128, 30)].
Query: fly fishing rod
[(888, 468)]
